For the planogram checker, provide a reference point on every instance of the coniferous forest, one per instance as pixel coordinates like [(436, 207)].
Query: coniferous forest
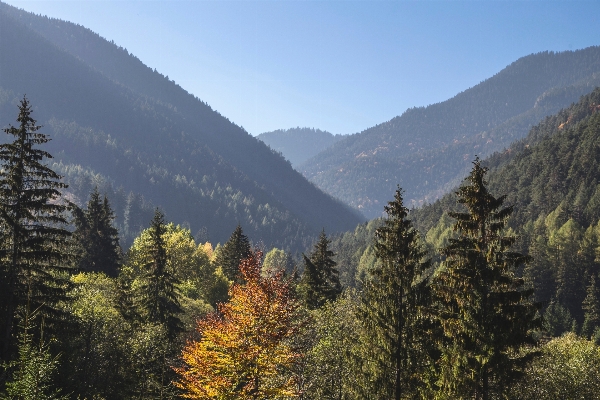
[(152, 249), (492, 292)]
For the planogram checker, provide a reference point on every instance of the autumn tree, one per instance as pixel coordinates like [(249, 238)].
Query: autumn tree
[(486, 314), (35, 257), (244, 350)]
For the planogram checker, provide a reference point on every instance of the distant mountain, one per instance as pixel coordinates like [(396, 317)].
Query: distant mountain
[(299, 144), (428, 150), (145, 141)]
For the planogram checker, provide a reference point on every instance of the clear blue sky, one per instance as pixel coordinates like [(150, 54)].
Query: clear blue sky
[(341, 66)]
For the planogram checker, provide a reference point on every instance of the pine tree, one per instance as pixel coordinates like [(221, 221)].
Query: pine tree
[(236, 249), (159, 291), (390, 310), (34, 250), (591, 307), (320, 281), (486, 314), (97, 237)]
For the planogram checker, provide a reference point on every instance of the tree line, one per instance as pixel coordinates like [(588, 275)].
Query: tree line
[(171, 318)]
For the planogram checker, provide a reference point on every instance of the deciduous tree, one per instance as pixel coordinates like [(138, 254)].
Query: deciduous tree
[(245, 349)]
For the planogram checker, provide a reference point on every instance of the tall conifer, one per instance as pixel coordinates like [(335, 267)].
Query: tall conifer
[(97, 237), (160, 297), (391, 309), (320, 281), (34, 250), (236, 249), (486, 314)]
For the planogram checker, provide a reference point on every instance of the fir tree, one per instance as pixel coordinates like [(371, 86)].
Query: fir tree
[(159, 291), (486, 314), (320, 281), (97, 237), (390, 310), (34, 250), (591, 307), (236, 249)]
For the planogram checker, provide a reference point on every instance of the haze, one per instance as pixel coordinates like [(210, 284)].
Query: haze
[(339, 66)]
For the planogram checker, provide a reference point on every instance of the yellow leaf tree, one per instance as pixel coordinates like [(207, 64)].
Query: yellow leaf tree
[(245, 350)]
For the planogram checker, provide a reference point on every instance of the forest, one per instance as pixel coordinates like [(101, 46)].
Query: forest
[(492, 292)]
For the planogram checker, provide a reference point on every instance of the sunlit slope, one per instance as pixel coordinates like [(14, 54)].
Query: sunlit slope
[(428, 150)]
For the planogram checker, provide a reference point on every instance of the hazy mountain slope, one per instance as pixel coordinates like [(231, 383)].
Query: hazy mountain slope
[(557, 163), (174, 150), (428, 150), (299, 144)]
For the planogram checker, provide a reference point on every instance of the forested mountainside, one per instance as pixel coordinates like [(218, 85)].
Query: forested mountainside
[(552, 179), (119, 125), (299, 144), (428, 150)]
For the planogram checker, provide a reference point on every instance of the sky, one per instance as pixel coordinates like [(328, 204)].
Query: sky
[(340, 66)]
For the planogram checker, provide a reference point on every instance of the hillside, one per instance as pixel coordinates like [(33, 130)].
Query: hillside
[(299, 144), (145, 141), (552, 178), (428, 150)]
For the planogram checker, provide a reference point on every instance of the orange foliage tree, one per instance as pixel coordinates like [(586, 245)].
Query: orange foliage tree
[(246, 350)]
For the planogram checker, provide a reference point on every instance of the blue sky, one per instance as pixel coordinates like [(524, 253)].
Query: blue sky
[(341, 66)]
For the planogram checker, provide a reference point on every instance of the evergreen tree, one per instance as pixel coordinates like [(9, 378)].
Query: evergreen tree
[(591, 307), (390, 311), (236, 249), (97, 237), (485, 312), (159, 291), (34, 248), (320, 281)]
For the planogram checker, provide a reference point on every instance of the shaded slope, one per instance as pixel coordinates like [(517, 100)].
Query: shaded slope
[(174, 150), (299, 144), (428, 150)]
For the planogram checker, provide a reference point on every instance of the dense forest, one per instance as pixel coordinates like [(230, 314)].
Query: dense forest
[(145, 142), (484, 296), (428, 150), (299, 144)]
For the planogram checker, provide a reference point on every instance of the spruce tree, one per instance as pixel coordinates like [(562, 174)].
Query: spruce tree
[(320, 281), (485, 312), (34, 249), (159, 293), (97, 237), (591, 307), (236, 249), (391, 312)]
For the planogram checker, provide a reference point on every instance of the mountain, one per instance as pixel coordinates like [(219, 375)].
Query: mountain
[(428, 150), (552, 179), (117, 124), (299, 144)]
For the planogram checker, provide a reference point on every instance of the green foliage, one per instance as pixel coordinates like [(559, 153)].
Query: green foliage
[(232, 253), (427, 150), (557, 319), (591, 307), (34, 244), (159, 294), (97, 238), (485, 311), (33, 372), (330, 372), (320, 280), (567, 368), (390, 312)]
